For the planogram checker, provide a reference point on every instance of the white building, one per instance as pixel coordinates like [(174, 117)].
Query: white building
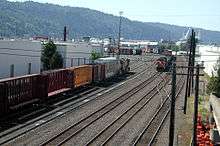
[(210, 55), (19, 57), (77, 53)]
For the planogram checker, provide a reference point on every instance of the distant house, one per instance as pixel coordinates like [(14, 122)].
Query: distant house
[(77, 53), (19, 57)]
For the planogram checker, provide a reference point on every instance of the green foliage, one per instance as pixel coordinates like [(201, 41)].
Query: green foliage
[(51, 59), (95, 55), (56, 61), (200, 100), (214, 82), (172, 47)]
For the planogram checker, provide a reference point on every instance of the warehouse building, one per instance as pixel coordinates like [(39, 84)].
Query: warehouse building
[(77, 53), (209, 55), (19, 57)]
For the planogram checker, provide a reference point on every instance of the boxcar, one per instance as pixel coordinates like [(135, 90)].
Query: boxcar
[(19, 91), (98, 72), (112, 66), (125, 51), (138, 51), (82, 75), (58, 81)]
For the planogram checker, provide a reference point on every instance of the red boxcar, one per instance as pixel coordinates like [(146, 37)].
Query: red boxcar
[(19, 91), (3, 99), (58, 81)]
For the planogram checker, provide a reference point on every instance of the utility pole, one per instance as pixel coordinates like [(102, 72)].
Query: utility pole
[(190, 64), (119, 34), (196, 106), (188, 80), (64, 34), (172, 108), (193, 55)]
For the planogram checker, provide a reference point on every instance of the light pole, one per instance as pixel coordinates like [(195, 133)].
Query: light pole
[(119, 33)]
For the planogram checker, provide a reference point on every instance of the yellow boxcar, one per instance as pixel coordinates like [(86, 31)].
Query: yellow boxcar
[(82, 75)]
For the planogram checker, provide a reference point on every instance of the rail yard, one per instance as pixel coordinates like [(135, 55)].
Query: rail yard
[(109, 73), (129, 111)]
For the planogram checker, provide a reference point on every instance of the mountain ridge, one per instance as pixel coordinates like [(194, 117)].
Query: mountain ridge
[(28, 19)]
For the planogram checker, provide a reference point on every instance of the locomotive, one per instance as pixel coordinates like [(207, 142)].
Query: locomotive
[(164, 64)]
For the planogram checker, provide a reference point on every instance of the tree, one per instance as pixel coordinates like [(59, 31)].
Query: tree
[(51, 59), (95, 55), (172, 47), (56, 61), (211, 87), (214, 82)]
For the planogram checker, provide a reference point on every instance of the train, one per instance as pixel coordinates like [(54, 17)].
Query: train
[(164, 64), (25, 90), (167, 52), (126, 51)]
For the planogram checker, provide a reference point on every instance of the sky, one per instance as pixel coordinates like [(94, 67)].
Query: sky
[(196, 13)]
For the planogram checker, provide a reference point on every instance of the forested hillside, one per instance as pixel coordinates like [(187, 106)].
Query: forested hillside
[(29, 19)]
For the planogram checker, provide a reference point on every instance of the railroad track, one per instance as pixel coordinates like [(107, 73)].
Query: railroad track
[(72, 130), (153, 127), (49, 116), (125, 117), (141, 62)]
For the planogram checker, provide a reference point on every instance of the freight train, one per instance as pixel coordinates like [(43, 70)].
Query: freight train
[(129, 51), (25, 90)]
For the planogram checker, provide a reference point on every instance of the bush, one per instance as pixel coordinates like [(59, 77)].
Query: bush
[(214, 83), (95, 55)]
